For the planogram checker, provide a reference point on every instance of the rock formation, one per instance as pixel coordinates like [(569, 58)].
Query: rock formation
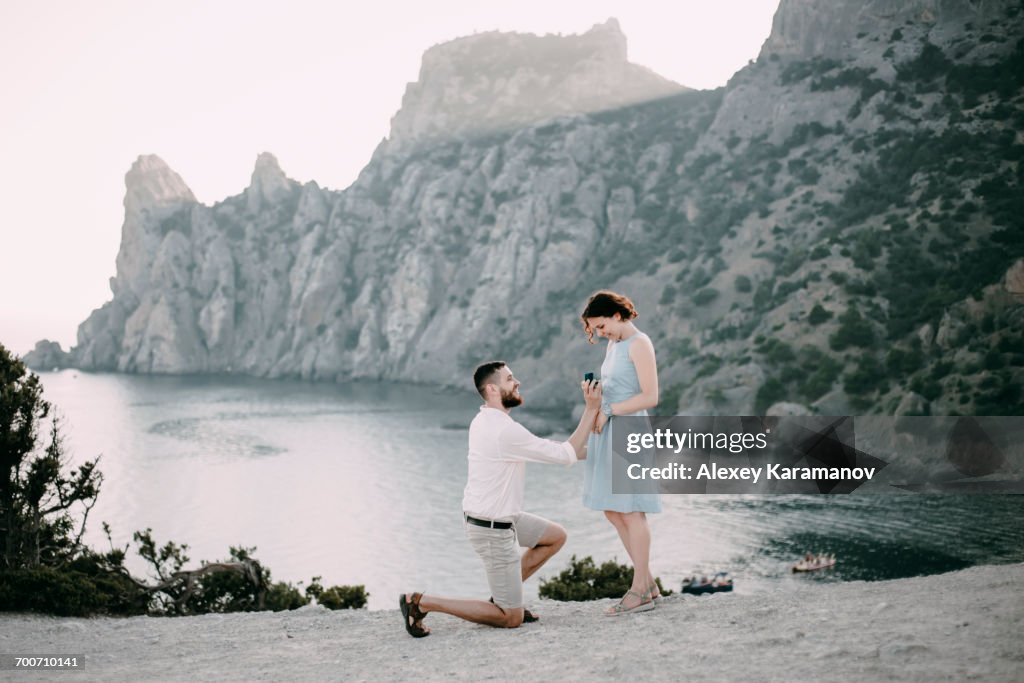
[(498, 82), (47, 355), (811, 28), (834, 230)]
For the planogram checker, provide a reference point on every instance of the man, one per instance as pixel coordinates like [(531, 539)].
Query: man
[(499, 448)]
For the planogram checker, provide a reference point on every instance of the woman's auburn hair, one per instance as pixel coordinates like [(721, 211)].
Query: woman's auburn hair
[(604, 304)]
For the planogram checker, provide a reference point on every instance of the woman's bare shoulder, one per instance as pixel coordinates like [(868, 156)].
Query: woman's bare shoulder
[(642, 344)]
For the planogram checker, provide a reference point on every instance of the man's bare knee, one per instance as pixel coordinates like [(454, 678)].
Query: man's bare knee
[(559, 536), (554, 537), (513, 618)]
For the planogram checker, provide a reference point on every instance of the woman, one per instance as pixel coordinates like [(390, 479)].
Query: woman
[(629, 376)]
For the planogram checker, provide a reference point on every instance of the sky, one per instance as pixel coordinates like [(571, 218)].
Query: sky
[(207, 85)]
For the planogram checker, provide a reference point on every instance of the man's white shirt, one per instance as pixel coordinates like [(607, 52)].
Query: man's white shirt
[(499, 448)]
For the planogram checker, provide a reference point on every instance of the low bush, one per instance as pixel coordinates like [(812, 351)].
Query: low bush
[(78, 591), (337, 597), (584, 580)]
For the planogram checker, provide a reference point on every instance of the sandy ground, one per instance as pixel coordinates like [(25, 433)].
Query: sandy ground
[(966, 625)]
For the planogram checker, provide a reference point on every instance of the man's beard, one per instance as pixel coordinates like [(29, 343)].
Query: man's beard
[(511, 399)]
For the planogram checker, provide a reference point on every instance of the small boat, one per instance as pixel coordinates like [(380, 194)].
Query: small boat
[(720, 583), (813, 563)]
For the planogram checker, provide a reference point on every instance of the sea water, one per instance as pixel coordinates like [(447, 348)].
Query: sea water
[(361, 483)]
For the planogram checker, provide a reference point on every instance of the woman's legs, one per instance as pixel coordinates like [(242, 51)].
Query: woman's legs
[(620, 526), (639, 534), (636, 539)]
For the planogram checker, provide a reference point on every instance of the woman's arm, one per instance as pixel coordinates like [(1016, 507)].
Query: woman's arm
[(641, 352)]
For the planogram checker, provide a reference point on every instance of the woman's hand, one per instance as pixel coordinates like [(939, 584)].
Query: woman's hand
[(600, 422)]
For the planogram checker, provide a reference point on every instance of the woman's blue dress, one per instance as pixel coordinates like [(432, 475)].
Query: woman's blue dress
[(619, 382)]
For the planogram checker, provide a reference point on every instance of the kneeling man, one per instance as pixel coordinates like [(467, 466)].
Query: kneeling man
[(499, 448)]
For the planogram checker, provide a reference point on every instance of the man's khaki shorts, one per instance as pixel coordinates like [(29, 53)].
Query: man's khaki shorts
[(497, 548)]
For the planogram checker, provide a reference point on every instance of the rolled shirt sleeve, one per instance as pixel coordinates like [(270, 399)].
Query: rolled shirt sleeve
[(519, 443)]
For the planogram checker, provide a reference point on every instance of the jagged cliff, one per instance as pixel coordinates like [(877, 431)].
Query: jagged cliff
[(838, 230)]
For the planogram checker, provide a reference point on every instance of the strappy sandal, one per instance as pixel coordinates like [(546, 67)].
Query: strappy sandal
[(656, 598), (413, 615), (646, 604)]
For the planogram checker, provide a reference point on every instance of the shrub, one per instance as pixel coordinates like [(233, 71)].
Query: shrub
[(337, 597), (818, 315), (38, 487), (344, 597), (679, 349), (798, 71), (763, 295), (742, 284), (710, 366), (668, 295), (819, 252), (705, 296), (77, 591), (245, 588), (929, 64), (792, 262), (584, 580), (826, 372), (777, 352), (868, 376), (668, 400), (804, 133), (853, 330), (696, 169), (1002, 398), (993, 360), (284, 596), (929, 388), (901, 363), (771, 392)]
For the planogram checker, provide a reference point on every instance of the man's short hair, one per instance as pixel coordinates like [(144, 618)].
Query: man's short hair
[(484, 373)]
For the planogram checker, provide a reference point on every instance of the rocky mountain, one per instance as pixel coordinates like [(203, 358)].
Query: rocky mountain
[(498, 82), (810, 28), (838, 230)]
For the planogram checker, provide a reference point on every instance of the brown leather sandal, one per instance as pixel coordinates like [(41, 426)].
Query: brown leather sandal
[(413, 615)]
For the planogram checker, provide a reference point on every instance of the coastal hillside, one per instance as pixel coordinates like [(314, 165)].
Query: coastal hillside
[(959, 626), (838, 230)]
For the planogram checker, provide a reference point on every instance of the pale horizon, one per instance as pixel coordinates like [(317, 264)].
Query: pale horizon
[(92, 87)]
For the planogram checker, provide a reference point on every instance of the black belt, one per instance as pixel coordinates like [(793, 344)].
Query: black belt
[(489, 523)]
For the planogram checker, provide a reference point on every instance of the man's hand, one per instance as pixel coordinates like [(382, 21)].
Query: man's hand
[(592, 394), (601, 421)]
